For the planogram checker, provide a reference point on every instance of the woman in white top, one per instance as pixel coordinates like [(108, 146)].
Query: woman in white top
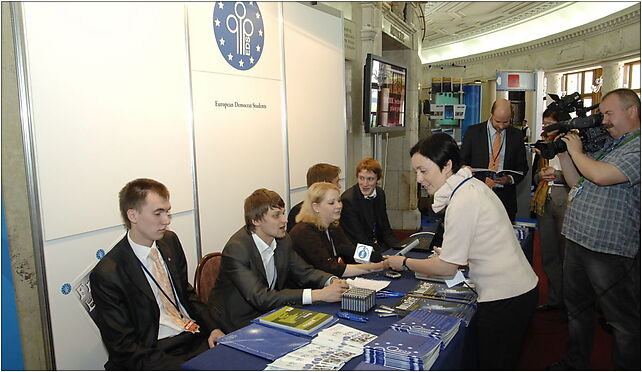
[(477, 233)]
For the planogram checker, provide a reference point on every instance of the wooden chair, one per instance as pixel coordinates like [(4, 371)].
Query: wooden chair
[(206, 275)]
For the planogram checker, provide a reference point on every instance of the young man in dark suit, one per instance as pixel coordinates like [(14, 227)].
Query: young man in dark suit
[(147, 312), (364, 217), (477, 150), (257, 264)]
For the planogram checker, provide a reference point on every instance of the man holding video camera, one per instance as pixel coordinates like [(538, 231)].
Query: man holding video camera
[(602, 228)]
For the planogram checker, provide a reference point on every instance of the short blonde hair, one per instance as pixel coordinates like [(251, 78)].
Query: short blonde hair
[(315, 194)]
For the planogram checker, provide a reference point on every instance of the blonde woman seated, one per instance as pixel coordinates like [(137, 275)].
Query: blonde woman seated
[(319, 239)]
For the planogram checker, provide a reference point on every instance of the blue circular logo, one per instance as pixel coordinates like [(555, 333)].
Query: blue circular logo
[(363, 253), (66, 289), (239, 33), (100, 254)]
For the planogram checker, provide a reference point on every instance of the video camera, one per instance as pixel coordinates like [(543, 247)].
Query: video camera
[(591, 131)]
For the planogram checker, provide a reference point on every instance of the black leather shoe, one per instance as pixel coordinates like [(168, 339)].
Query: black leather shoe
[(561, 365), (547, 307)]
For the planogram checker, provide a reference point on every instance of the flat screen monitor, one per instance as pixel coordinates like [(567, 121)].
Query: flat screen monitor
[(384, 95)]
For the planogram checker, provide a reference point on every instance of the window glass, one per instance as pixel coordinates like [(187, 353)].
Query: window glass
[(571, 84), (635, 76), (588, 81)]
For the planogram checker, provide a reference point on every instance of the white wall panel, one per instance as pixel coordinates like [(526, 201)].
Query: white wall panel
[(110, 104), (315, 87)]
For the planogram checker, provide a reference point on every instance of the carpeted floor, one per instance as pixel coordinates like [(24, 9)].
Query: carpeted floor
[(547, 337)]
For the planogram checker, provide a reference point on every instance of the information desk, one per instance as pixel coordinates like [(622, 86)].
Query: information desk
[(459, 355)]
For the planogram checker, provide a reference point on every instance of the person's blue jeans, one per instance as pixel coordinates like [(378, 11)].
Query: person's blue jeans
[(613, 282)]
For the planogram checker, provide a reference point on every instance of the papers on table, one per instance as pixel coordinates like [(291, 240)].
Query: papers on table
[(375, 285), (329, 350)]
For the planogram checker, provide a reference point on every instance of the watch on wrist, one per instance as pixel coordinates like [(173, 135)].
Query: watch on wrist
[(404, 263)]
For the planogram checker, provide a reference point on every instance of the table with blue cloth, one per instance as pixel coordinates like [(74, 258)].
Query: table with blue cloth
[(459, 355)]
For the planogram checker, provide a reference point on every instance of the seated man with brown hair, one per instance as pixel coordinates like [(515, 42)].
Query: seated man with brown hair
[(148, 314), (258, 262), (321, 172)]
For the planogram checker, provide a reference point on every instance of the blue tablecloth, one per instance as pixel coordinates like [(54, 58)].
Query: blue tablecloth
[(459, 355)]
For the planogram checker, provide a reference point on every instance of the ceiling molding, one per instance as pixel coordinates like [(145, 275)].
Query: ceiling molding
[(530, 11), (595, 28)]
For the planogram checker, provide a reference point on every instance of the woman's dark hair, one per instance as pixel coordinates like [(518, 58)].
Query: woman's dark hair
[(555, 115), (439, 148)]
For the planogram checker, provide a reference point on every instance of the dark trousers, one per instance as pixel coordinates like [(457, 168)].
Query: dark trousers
[(613, 282), (552, 247), (184, 346), (501, 328)]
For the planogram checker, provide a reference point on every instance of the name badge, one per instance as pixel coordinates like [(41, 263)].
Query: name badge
[(575, 191), (362, 253)]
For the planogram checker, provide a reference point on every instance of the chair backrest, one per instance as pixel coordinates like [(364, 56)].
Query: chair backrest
[(206, 274)]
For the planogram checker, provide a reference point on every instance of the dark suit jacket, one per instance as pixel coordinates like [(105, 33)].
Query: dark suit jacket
[(313, 246), (474, 152), (127, 312), (242, 291), (358, 219), (292, 216)]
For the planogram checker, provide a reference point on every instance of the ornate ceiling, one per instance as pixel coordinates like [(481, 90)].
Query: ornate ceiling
[(449, 22)]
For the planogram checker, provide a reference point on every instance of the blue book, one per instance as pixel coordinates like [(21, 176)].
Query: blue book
[(428, 324), (264, 342), (402, 350), (461, 310)]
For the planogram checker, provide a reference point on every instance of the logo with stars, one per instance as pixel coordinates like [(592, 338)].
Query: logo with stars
[(239, 33)]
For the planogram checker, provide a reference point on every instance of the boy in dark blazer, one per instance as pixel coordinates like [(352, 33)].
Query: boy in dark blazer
[(364, 218), (138, 325), (257, 264), (475, 151)]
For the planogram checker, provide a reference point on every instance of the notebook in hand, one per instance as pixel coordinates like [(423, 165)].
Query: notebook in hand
[(482, 172)]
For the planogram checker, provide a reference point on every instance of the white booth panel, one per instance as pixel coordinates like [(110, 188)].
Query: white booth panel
[(314, 68), (238, 150), (110, 103)]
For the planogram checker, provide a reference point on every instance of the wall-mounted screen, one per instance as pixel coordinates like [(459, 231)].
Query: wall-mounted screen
[(384, 95)]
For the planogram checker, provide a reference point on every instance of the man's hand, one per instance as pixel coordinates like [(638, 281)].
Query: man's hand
[(331, 293), (547, 174), (394, 262), (573, 143), (503, 180), (437, 250), (215, 335), (376, 266)]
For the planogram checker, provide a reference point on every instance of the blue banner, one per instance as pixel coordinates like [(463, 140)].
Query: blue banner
[(11, 344)]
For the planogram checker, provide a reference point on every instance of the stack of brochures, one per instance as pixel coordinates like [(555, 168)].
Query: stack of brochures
[(427, 324), (298, 321), (329, 350), (402, 350), (441, 291), (344, 337), (313, 357), (462, 311)]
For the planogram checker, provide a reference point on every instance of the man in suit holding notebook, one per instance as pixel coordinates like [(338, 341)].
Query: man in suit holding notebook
[(496, 145), (257, 263)]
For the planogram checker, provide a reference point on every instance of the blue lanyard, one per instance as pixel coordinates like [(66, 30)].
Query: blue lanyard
[(458, 186), (171, 283)]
